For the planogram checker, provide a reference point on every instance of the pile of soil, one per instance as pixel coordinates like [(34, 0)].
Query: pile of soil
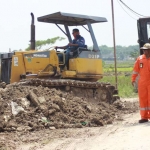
[(29, 108)]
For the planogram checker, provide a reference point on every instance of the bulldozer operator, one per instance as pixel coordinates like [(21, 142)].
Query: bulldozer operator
[(77, 42)]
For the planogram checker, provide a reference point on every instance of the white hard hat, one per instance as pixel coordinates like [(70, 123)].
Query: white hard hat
[(146, 46)]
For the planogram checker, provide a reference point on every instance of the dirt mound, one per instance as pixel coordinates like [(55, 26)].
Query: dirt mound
[(27, 108)]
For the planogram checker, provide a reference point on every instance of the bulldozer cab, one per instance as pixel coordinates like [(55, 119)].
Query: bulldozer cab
[(67, 19), (143, 25), (81, 53)]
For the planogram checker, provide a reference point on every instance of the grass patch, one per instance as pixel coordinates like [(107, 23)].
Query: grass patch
[(121, 67), (124, 85), (129, 69)]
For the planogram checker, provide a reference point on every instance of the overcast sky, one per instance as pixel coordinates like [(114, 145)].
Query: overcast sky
[(15, 21)]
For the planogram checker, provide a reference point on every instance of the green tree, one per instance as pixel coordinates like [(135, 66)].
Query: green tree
[(40, 43), (122, 52), (134, 54)]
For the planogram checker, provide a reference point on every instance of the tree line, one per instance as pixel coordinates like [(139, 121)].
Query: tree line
[(122, 52)]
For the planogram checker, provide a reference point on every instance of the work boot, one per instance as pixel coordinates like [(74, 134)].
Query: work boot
[(143, 120)]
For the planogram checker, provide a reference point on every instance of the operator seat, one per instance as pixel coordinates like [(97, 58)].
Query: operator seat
[(78, 51)]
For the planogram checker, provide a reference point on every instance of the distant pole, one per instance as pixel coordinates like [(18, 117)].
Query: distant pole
[(114, 42)]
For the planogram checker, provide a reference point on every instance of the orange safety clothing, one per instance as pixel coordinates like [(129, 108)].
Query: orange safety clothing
[(142, 68)]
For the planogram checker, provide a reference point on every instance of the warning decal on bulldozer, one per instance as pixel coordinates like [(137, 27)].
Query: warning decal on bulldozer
[(15, 61)]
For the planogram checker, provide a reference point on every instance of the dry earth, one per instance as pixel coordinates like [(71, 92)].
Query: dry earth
[(36, 118), (125, 135)]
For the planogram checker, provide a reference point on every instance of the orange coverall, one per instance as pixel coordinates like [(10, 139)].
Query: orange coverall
[(142, 67)]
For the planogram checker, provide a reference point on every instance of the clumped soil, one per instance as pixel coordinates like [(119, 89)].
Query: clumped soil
[(30, 108), (26, 110)]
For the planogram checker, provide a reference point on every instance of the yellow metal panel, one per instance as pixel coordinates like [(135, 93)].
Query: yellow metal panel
[(17, 68), (54, 58), (86, 66), (35, 64), (69, 74)]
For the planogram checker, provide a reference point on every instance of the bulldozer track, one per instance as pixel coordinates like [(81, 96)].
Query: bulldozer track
[(97, 90)]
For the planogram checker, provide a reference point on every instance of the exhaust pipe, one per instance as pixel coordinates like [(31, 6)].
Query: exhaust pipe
[(32, 46)]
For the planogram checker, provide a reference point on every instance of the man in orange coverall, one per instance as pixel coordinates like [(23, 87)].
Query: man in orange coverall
[(142, 68)]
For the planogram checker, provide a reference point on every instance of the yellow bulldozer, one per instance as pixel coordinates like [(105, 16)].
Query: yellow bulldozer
[(43, 67)]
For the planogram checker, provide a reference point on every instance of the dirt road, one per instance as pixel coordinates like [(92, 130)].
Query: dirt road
[(124, 135)]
